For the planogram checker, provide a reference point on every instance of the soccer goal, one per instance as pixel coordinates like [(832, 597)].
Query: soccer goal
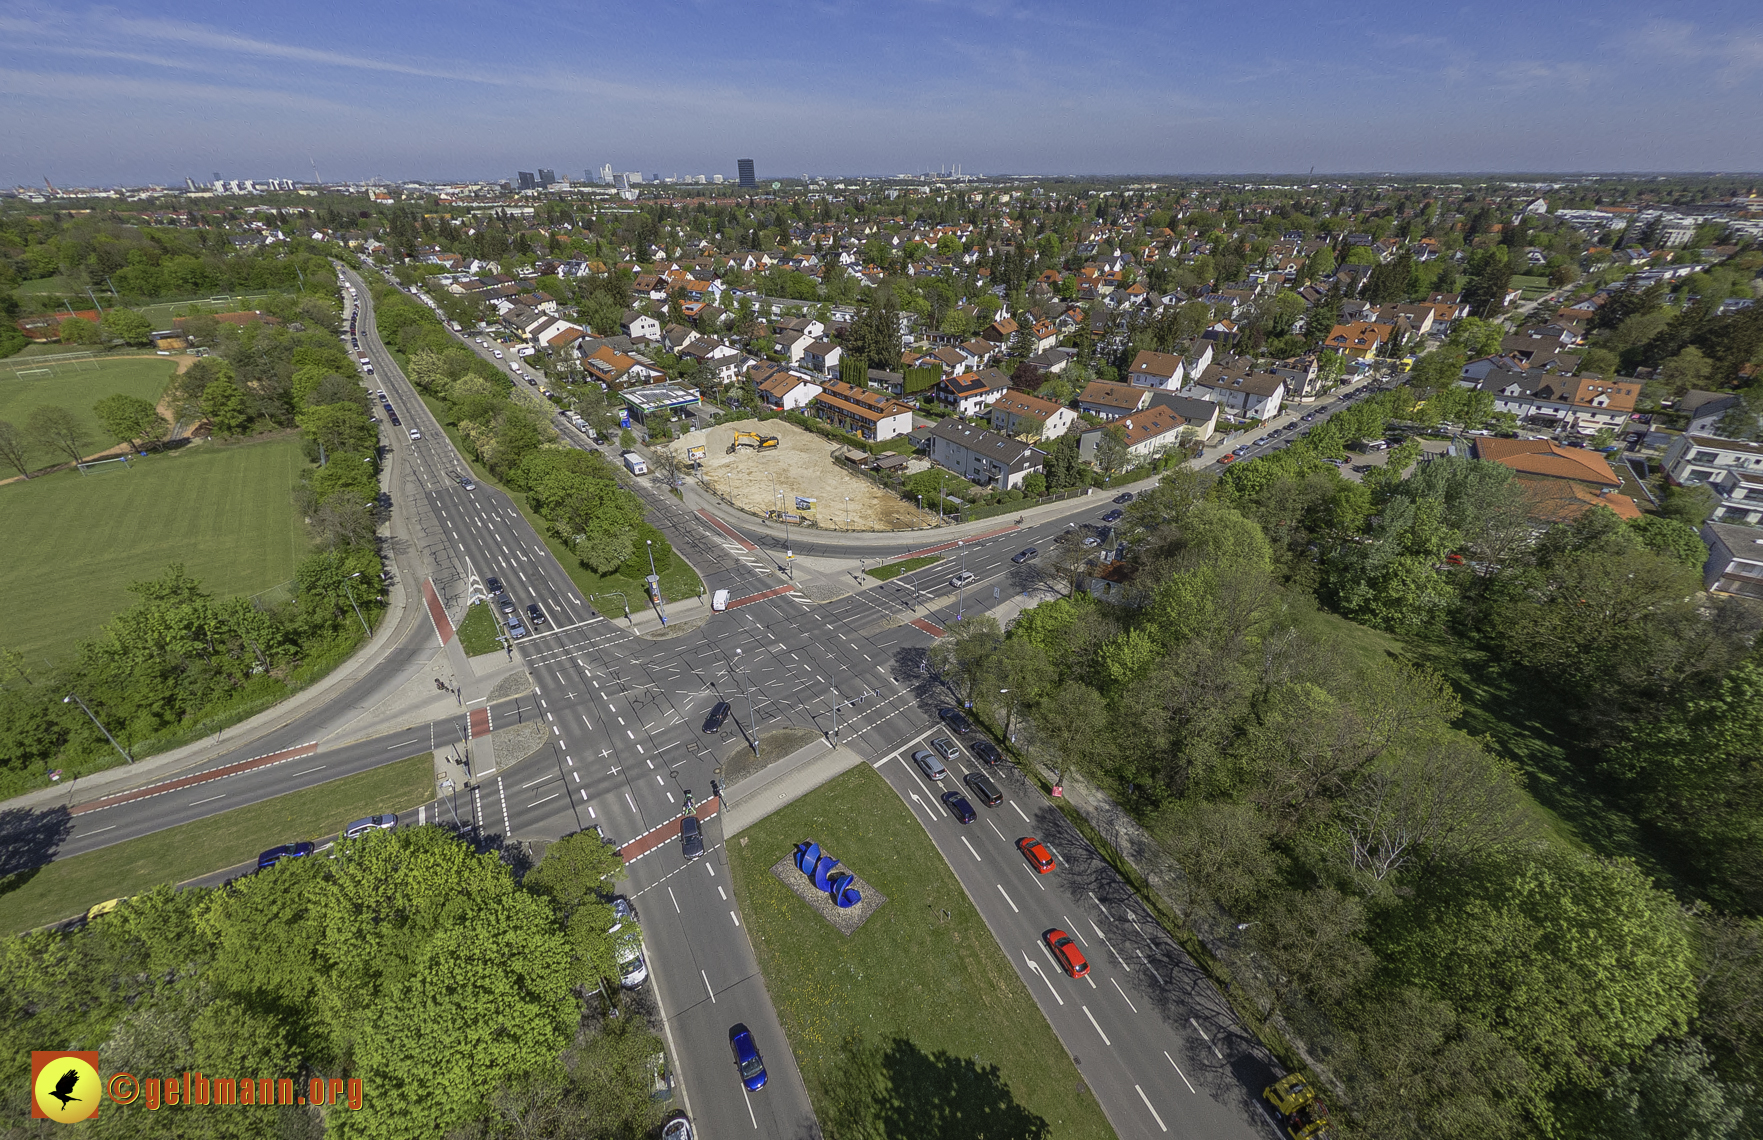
[(99, 466)]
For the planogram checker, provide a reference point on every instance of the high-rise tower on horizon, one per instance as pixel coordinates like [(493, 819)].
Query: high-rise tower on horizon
[(745, 166)]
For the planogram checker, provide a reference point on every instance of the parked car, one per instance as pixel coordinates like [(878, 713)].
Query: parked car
[(633, 971), (1066, 953), (965, 578), (361, 827), (535, 613), (946, 747), (691, 837), (1026, 554), (623, 911), (956, 720), (286, 851), (929, 765), (713, 723), (958, 804), (679, 1128), (1124, 497), (986, 751), (983, 787), (747, 1058), (1036, 853)]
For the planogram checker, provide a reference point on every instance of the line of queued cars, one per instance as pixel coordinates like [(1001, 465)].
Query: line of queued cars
[(511, 610)]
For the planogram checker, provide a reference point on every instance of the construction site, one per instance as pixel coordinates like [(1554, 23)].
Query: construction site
[(771, 467)]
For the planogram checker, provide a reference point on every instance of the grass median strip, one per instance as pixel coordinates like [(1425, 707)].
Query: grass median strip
[(478, 632), (920, 998), (70, 886), (895, 569)]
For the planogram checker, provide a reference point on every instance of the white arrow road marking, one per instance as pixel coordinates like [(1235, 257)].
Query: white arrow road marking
[(1036, 967)]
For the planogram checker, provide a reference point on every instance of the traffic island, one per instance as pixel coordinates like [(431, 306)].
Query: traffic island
[(845, 920)]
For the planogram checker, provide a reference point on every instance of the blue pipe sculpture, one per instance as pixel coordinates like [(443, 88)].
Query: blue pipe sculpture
[(818, 866)]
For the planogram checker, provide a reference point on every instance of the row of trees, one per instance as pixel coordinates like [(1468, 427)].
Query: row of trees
[(1480, 976), (450, 986)]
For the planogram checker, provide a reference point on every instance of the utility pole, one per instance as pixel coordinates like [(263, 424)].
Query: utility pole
[(74, 697), (752, 724)]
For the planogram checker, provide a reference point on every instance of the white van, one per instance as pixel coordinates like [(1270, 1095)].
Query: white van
[(719, 601), (634, 463)]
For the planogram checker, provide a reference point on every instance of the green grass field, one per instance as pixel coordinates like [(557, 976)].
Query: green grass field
[(923, 973), (75, 542), (68, 887), (77, 388), (895, 569), (479, 631)]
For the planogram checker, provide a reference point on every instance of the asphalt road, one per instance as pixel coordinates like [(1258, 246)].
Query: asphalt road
[(626, 716)]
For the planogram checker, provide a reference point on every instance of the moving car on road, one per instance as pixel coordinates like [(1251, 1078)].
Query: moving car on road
[(494, 585), (986, 751), (1066, 953), (946, 748), (965, 578), (983, 787), (954, 718), (719, 714), (1123, 497), (1036, 853), (691, 838), (286, 851), (1114, 515), (536, 614), (361, 827), (1026, 554), (747, 1058), (929, 765), (958, 804)]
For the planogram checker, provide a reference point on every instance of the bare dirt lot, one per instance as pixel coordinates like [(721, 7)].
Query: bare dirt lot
[(801, 464)]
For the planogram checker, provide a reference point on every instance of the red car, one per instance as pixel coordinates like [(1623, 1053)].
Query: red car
[(1036, 853), (1227, 458), (1071, 959)]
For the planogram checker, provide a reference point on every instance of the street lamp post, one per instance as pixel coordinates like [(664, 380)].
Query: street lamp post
[(355, 607), (752, 724), (123, 752)]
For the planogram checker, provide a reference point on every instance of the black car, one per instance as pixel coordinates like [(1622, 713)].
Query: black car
[(713, 723), (533, 611), (1114, 515), (494, 585), (987, 751), (1123, 497), (984, 788), (956, 721), (691, 836), (1026, 554), (958, 804), (286, 851)]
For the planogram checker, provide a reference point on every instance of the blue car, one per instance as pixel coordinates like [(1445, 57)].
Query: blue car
[(286, 851), (747, 1058)]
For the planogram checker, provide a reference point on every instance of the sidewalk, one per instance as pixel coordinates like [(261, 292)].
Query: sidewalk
[(791, 778)]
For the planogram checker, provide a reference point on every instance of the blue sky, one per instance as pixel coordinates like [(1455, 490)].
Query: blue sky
[(441, 89)]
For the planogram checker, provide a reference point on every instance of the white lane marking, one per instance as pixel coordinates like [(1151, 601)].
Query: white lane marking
[(736, 917), (303, 771), (1007, 898), (1033, 875), (712, 993), (1178, 1072), (1117, 956), (552, 796), (1072, 926), (670, 895), (719, 892), (1036, 967), (1098, 1026), (1205, 1037), (1099, 905), (1019, 811), (970, 850), (96, 830), (628, 800), (750, 1115), (400, 744), (712, 871), (1122, 993), (1147, 1101), (1148, 966), (209, 800)]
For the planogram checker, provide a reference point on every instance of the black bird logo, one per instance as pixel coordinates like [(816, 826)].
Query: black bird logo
[(65, 1086)]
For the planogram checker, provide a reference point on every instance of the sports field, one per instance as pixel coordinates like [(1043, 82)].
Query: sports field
[(76, 387), (74, 542)]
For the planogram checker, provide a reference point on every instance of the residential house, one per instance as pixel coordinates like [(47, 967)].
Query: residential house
[(862, 411), (1706, 410), (1735, 560), (1246, 395), (782, 390), (1358, 340), (793, 345), (1303, 380), (1156, 370), (716, 361), (971, 393), (1018, 413), (617, 370), (983, 457), (1108, 401), (640, 326), (1105, 581), (1581, 403), (823, 357), (1151, 432), (1052, 361), (1732, 468), (999, 331), (1559, 483), (1199, 417)]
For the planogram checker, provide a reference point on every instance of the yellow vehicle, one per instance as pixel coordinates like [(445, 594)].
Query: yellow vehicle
[(754, 440), (102, 909), (1301, 1115)]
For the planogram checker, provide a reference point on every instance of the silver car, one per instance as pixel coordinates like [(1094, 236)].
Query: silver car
[(947, 748), (361, 827), (929, 765)]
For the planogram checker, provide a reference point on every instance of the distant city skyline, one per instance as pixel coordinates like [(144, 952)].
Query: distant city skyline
[(126, 94)]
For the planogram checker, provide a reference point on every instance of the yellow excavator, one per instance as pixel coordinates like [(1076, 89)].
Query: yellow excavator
[(1301, 1115), (754, 440)]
